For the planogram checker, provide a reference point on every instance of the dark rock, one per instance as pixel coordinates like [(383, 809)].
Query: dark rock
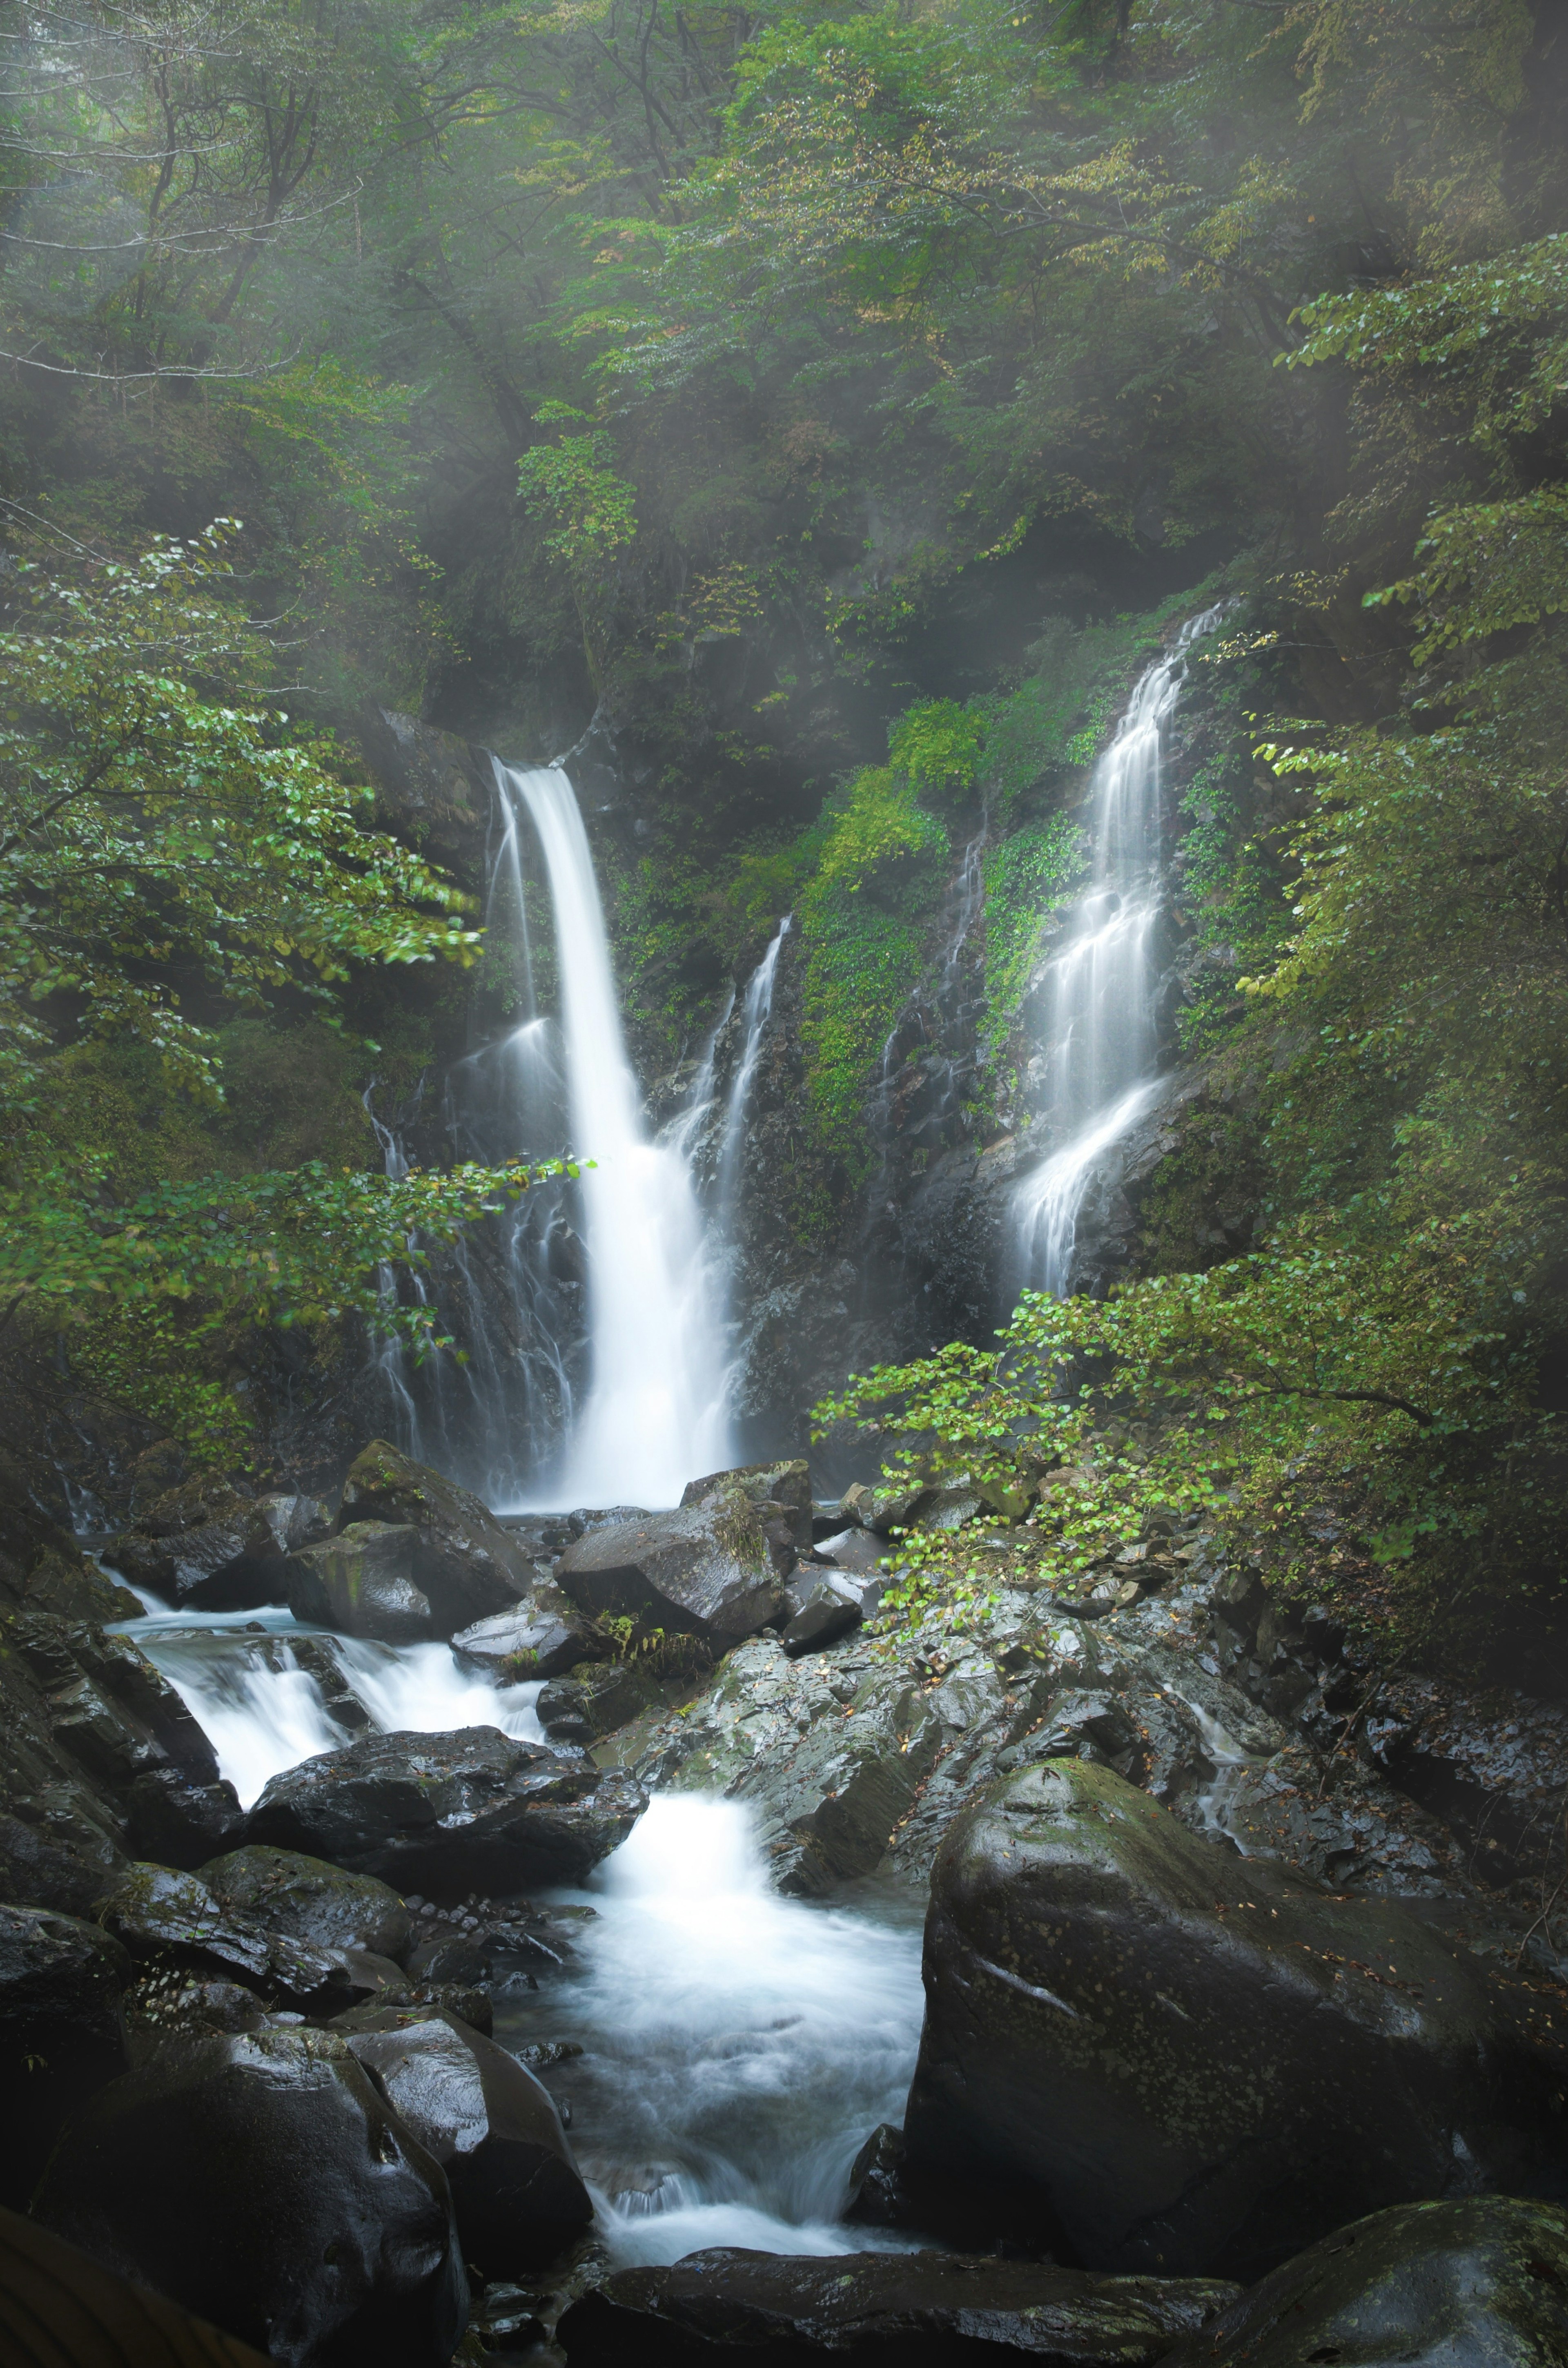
[(447, 1814), (54, 1849), (229, 1557), (62, 2032), (786, 1486), (260, 2178), (173, 1918), (57, 2305), (466, 1565), (361, 1583), (906, 2310), (1190, 2061), (311, 1901), (447, 1956), (493, 2129), (705, 1570), (111, 1709), (1483, 2279), (592, 1702), (543, 1636), (827, 1611), (876, 2181), (178, 1823), (167, 2003), (855, 1550), (473, 2008)]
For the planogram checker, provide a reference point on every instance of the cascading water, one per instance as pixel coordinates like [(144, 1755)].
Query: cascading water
[(1101, 1028), (653, 1415), (757, 1011)]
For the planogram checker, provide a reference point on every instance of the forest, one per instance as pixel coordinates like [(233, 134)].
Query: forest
[(795, 737)]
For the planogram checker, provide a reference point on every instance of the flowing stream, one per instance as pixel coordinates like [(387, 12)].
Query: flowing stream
[(1101, 1035)]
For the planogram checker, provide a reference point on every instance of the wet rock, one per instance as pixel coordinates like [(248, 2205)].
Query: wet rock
[(447, 1812), (1482, 2279), (216, 1550), (860, 1552), (493, 2128), (361, 1582), (781, 1493), (158, 1913), (473, 2008), (465, 1564), (311, 1901), (56, 2304), (705, 1571), (876, 2181), (1492, 1765), (592, 1701), (108, 1706), (543, 1636), (828, 1612), (1190, 2061), (456, 1957), (178, 1823), (911, 2310), (260, 2179), (62, 2031), (167, 2003), (55, 1852)]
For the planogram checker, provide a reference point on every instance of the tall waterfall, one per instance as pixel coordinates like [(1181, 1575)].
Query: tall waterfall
[(652, 1415), (1101, 1031)]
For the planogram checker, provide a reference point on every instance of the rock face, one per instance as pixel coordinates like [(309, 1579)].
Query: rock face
[(446, 1814), (206, 1546), (361, 1582), (913, 2310), (704, 1570), (465, 1564), (310, 1901), (62, 2035), (493, 2129), (1191, 2061), (1484, 2279), (261, 2182), (57, 2305)]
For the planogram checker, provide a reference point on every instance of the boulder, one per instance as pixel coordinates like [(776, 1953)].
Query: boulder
[(260, 2179), (493, 2128), (57, 2305), (465, 1564), (901, 2310), (827, 1612), (177, 1822), (858, 1551), (215, 1550), (448, 1814), (705, 1570), (592, 1701), (311, 1901), (62, 2031), (108, 1707), (1482, 2278), (444, 1957), (782, 1488), (1189, 2061), (541, 1637), (361, 1582), (170, 1918)]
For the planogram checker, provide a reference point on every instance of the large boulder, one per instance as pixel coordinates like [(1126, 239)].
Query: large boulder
[(492, 2127), (541, 1637), (908, 2310), (361, 1582), (207, 1546), (467, 1565), (260, 2179), (62, 2031), (1186, 2061), (168, 1918), (449, 1814), (597, 1699), (57, 2305), (307, 1899), (704, 1570), (1482, 2280), (781, 1493)]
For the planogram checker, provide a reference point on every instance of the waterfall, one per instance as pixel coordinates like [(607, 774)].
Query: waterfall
[(652, 1415), (1102, 1034), (756, 1013)]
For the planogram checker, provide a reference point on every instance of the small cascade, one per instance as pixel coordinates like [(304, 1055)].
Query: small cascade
[(652, 1415), (1101, 1033), (757, 1011)]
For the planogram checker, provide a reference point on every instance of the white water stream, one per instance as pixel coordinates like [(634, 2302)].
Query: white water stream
[(1101, 1031)]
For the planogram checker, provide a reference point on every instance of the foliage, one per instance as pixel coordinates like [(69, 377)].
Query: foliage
[(592, 514), (1028, 877)]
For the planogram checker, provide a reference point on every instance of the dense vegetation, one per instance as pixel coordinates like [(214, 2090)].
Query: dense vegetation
[(841, 401)]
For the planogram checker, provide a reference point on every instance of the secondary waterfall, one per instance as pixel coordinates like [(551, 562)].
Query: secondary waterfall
[(652, 1415), (1101, 1033), (757, 1011)]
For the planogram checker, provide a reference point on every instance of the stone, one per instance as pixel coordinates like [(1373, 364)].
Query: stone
[(786, 1486), (311, 1901), (361, 1583), (259, 2179), (1482, 2278), (62, 2031), (1186, 2061), (493, 2128), (543, 1636), (858, 1551), (57, 2305), (167, 2001), (450, 1814), (228, 1558), (870, 2310), (704, 1570), (465, 1564), (444, 1956), (828, 1612), (172, 1917), (108, 1707), (592, 1701), (179, 1823), (876, 2181)]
